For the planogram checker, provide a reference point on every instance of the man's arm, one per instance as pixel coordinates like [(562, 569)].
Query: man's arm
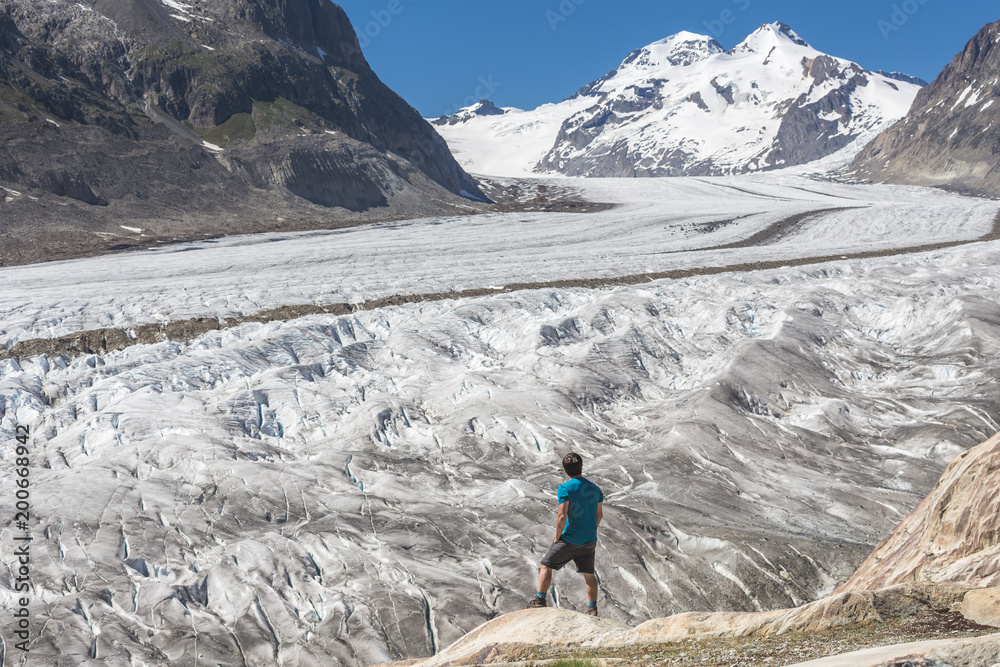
[(561, 520), (600, 513)]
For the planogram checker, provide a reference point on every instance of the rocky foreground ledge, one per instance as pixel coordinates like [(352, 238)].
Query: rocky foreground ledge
[(927, 597)]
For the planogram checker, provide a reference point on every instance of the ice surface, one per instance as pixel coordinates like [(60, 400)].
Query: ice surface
[(659, 226), (346, 490)]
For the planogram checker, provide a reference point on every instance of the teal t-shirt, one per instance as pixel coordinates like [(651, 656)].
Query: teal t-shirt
[(583, 497)]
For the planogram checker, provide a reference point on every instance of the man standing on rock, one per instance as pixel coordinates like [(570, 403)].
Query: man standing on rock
[(580, 513)]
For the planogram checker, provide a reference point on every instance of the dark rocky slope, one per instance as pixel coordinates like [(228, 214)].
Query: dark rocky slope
[(951, 136), (104, 108)]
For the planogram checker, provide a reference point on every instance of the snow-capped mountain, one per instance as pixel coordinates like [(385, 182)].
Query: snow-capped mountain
[(686, 106)]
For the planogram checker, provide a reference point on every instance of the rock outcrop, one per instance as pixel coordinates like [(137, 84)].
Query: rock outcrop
[(480, 108), (953, 536), (521, 634), (221, 117), (951, 134)]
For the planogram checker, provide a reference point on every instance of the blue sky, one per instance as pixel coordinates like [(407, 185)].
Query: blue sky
[(440, 54)]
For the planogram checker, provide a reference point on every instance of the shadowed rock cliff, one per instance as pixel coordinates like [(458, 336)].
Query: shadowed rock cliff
[(199, 118)]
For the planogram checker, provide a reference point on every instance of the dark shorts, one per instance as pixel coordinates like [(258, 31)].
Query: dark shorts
[(561, 553)]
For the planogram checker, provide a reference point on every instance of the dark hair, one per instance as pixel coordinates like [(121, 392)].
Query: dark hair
[(573, 464)]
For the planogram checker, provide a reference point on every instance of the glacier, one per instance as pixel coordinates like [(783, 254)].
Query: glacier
[(359, 488)]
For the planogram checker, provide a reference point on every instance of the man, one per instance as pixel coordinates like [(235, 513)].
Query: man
[(580, 513)]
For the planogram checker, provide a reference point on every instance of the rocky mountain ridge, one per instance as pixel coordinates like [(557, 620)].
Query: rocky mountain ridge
[(684, 106), (185, 119), (951, 136)]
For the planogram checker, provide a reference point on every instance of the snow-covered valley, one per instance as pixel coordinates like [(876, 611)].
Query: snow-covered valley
[(347, 490)]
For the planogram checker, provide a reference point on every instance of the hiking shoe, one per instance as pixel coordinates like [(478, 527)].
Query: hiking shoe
[(537, 603), (592, 611)]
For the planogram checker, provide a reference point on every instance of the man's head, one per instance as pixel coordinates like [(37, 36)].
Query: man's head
[(573, 464)]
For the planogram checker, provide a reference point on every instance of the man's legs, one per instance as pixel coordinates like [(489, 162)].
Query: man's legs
[(591, 586), (545, 579)]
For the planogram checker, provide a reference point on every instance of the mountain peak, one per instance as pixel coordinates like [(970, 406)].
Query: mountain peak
[(683, 37), (685, 106), (769, 36), (905, 78), (681, 49), (483, 107)]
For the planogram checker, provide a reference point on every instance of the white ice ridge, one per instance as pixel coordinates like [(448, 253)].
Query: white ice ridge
[(659, 225)]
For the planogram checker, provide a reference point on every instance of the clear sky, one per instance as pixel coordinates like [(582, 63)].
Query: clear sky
[(440, 54)]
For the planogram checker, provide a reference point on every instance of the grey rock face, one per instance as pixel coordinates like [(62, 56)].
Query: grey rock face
[(810, 130), (905, 78), (332, 171), (109, 104), (951, 135)]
